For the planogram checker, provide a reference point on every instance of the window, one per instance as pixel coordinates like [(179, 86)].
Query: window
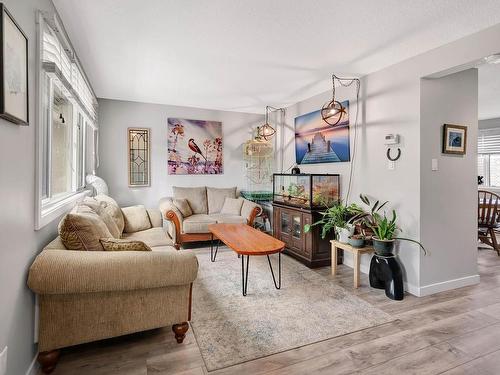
[(488, 160), (67, 120)]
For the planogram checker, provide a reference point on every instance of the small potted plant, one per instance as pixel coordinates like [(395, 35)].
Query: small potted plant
[(357, 240), (385, 234), (338, 218)]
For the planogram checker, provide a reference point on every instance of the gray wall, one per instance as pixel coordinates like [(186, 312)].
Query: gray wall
[(116, 116), (390, 103), (490, 123), (20, 242), (448, 202)]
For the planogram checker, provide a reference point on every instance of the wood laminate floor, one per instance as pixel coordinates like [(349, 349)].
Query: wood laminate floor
[(455, 332)]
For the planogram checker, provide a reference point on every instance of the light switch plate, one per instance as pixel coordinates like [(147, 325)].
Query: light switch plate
[(435, 164), (3, 361), (391, 165)]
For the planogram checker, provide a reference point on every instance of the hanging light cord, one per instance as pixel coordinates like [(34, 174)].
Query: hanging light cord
[(346, 82)]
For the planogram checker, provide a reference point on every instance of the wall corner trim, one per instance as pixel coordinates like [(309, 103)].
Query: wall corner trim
[(33, 369)]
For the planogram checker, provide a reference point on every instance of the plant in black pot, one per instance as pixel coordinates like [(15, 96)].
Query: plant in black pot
[(385, 230)]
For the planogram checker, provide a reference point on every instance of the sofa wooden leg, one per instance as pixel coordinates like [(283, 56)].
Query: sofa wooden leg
[(177, 246), (180, 331), (48, 360)]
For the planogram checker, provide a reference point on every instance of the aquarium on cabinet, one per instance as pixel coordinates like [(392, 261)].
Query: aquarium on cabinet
[(306, 190)]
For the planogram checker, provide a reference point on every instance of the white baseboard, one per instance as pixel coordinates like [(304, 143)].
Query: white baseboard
[(427, 290), (412, 289), (33, 369)]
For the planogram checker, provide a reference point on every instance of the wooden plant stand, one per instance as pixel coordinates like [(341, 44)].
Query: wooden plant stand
[(355, 251)]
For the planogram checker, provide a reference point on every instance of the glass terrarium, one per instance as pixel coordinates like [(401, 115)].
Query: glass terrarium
[(306, 190)]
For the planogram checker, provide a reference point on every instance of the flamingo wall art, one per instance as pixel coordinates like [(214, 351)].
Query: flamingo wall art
[(194, 147)]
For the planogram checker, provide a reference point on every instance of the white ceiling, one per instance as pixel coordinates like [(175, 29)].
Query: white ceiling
[(242, 55), (489, 91)]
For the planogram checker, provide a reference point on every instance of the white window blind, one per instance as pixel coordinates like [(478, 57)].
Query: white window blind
[(54, 52), (489, 141)]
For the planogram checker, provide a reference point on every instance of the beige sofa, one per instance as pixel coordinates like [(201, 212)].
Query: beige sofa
[(206, 204), (91, 295)]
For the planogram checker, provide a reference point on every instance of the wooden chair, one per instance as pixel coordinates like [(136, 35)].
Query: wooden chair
[(488, 206)]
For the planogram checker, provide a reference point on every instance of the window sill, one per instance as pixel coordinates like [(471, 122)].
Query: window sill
[(50, 211)]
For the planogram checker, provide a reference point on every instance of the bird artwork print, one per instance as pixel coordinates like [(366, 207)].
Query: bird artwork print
[(194, 147)]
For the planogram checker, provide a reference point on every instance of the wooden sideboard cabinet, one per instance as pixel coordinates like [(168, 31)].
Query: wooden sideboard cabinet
[(308, 248)]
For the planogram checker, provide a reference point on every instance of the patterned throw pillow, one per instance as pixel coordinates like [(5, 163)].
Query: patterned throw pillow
[(232, 206), (82, 228), (183, 206), (116, 244)]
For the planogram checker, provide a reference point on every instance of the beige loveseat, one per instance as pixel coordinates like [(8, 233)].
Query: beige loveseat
[(206, 204), (91, 295)]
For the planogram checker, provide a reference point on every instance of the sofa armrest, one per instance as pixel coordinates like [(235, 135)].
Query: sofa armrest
[(155, 217), (174, 217), (71, 272), (250, 211)]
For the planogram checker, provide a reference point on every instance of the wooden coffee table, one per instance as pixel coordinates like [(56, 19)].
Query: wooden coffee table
[(245, 240)]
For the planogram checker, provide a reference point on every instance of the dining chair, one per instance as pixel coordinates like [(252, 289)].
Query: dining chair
[(488, 205)]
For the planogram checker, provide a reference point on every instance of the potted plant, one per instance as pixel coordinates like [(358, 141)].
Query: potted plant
[(357, 240), (385, 234), (364, 220), (338, 218)]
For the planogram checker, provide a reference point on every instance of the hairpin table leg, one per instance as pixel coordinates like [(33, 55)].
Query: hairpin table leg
[(278, 286), (244, 278), (212, 254)]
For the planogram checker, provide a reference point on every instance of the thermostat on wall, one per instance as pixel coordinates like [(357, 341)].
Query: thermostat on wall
[(392, 139)]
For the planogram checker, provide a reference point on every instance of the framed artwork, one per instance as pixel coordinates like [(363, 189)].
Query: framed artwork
[(454, 139), (13, 70), (318, 142), (194, 147), (139, 165)]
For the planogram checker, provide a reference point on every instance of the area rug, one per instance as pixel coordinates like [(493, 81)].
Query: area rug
[(232, 329)]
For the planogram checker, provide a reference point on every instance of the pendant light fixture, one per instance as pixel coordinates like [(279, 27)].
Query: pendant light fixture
[(266, 131), (334, 112)]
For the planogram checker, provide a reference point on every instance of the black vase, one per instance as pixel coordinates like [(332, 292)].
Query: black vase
[(385, 273)]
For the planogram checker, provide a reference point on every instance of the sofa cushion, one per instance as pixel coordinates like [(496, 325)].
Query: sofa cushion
[(117, 244), (196, 196), (216, 197), (229, 219), (112, 209), (151, 237), (198, 223), (247, 208), (232, 206), (82, 228), (183, 205), (100, 208), (136, 218)]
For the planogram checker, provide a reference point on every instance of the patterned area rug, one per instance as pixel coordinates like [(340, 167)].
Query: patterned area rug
[(232, 329)]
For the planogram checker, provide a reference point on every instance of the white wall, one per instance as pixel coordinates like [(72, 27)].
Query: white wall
[(391, 104), (20, 243), (448, 201), (116, 116)]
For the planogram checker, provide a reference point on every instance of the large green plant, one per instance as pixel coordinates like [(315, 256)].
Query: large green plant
[(339, 215), (385, 229)]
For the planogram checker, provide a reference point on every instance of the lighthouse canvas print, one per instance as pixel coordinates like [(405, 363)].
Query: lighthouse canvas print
[(194, 147), (318, 142)]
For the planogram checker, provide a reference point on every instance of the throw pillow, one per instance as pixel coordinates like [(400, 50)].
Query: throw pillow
[(100, 209), (196, 196), (183, 206), (216, 197), (136, 219), (113, 210), (232, 206), (116, 244), (247, 207), (82, 228)]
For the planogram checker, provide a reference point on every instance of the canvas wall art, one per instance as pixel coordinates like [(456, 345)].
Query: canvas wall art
[(194, 147), (318, 142)]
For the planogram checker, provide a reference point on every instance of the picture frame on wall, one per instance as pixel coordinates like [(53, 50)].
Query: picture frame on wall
[(13, 70), (454, 139)]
